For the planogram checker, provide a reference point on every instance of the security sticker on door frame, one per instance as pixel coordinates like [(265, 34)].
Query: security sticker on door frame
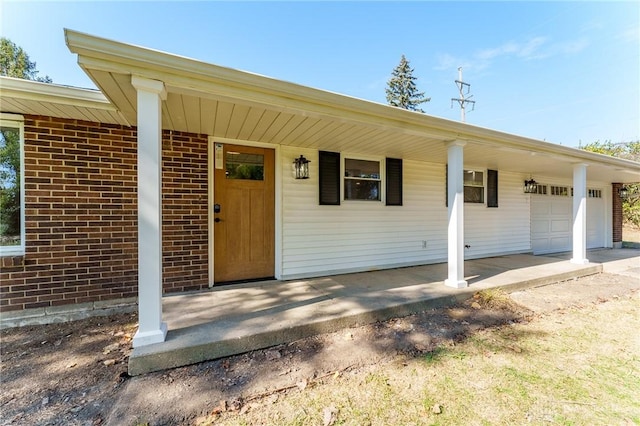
[(219, 156)]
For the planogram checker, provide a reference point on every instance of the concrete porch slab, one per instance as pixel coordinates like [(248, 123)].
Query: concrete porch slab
[(239, 318)]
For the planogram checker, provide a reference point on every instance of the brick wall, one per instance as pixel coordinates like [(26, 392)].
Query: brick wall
[(616, 214), (81, 215), (184, 212)]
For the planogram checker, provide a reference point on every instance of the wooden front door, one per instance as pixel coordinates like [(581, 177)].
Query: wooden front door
[(244, 213)]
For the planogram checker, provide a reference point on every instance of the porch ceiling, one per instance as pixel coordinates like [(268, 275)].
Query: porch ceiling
[(230, 104)]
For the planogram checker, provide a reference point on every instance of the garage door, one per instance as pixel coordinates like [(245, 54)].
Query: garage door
[(552, 219), (595, 219)]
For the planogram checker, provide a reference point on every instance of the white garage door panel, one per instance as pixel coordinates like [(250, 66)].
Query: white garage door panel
[(538, 208), (539, 227), (552, 223), (595, 223), (560, 243), (551, 219), (560, 225), (561, 206)]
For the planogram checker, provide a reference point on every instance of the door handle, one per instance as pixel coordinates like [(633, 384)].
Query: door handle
[(217, 219)]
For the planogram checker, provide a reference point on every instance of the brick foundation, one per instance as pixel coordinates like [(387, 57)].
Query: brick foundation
[(81, 215)]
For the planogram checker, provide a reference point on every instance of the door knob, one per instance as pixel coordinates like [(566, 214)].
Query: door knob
[(217, 219)]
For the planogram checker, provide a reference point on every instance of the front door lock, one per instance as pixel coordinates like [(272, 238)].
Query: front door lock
[(216, 208)]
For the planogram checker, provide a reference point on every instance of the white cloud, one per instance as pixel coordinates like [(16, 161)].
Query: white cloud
[(531, 49), (534, 48), (527, 50), (631, 35), (446, 61), (570, 47)]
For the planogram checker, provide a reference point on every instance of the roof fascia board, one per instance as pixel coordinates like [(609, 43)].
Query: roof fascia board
[(53, 93), (181, 72)]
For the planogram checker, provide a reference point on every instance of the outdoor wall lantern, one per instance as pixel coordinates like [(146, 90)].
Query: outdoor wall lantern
[(623, 192), (530, 186), (301, 166)]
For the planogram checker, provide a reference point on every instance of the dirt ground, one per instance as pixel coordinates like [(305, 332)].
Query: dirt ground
[(75, 373), (631, 235)]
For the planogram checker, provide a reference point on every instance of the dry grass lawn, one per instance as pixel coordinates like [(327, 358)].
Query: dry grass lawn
[(577, 366)]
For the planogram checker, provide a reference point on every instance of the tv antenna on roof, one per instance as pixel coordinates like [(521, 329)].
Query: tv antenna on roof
[(462, 100)]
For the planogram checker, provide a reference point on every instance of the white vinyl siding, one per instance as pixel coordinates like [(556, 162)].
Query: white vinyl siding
[(502, 230), (323, 240), (596, 222)]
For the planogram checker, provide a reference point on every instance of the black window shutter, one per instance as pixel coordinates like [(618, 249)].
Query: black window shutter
[(394, 182), (329, 181), (492, 188)]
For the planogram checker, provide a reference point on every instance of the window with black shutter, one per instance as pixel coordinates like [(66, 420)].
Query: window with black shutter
[(473, 187), (394, 182), (329, 180)]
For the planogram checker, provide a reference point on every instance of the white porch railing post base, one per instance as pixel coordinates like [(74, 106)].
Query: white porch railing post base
[(456, 284), (579, 261), (143, 338)]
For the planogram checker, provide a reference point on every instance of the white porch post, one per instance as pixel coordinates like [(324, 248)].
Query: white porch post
[(455, 198), (579, 214), (151, 329)]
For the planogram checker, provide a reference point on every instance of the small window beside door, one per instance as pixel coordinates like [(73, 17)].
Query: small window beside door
[(244, 166)]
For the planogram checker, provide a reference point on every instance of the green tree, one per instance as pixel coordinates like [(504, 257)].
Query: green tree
[(401, 88), (14, 62), (628, 151)]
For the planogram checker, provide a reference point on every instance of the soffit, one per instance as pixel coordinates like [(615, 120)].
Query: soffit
[(20, 96), (229, 104)]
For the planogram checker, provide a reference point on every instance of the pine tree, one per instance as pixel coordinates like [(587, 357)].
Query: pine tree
[(401, 89)]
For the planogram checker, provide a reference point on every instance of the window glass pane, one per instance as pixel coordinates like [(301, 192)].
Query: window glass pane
[(473, 178), (473, 194), (358, 189), (361, 168), (244, 166), (10, 215)]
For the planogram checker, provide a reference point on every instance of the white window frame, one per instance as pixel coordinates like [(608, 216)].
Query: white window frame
[(594, 193), (16, 121), (541, 189), (381, 168), (560, 191), (484, 185)]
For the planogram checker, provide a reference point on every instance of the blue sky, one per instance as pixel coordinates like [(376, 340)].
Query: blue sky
[(564, 72)]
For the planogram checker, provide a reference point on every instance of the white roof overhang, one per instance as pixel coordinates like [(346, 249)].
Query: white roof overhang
[(226, 103), (20, 96)]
